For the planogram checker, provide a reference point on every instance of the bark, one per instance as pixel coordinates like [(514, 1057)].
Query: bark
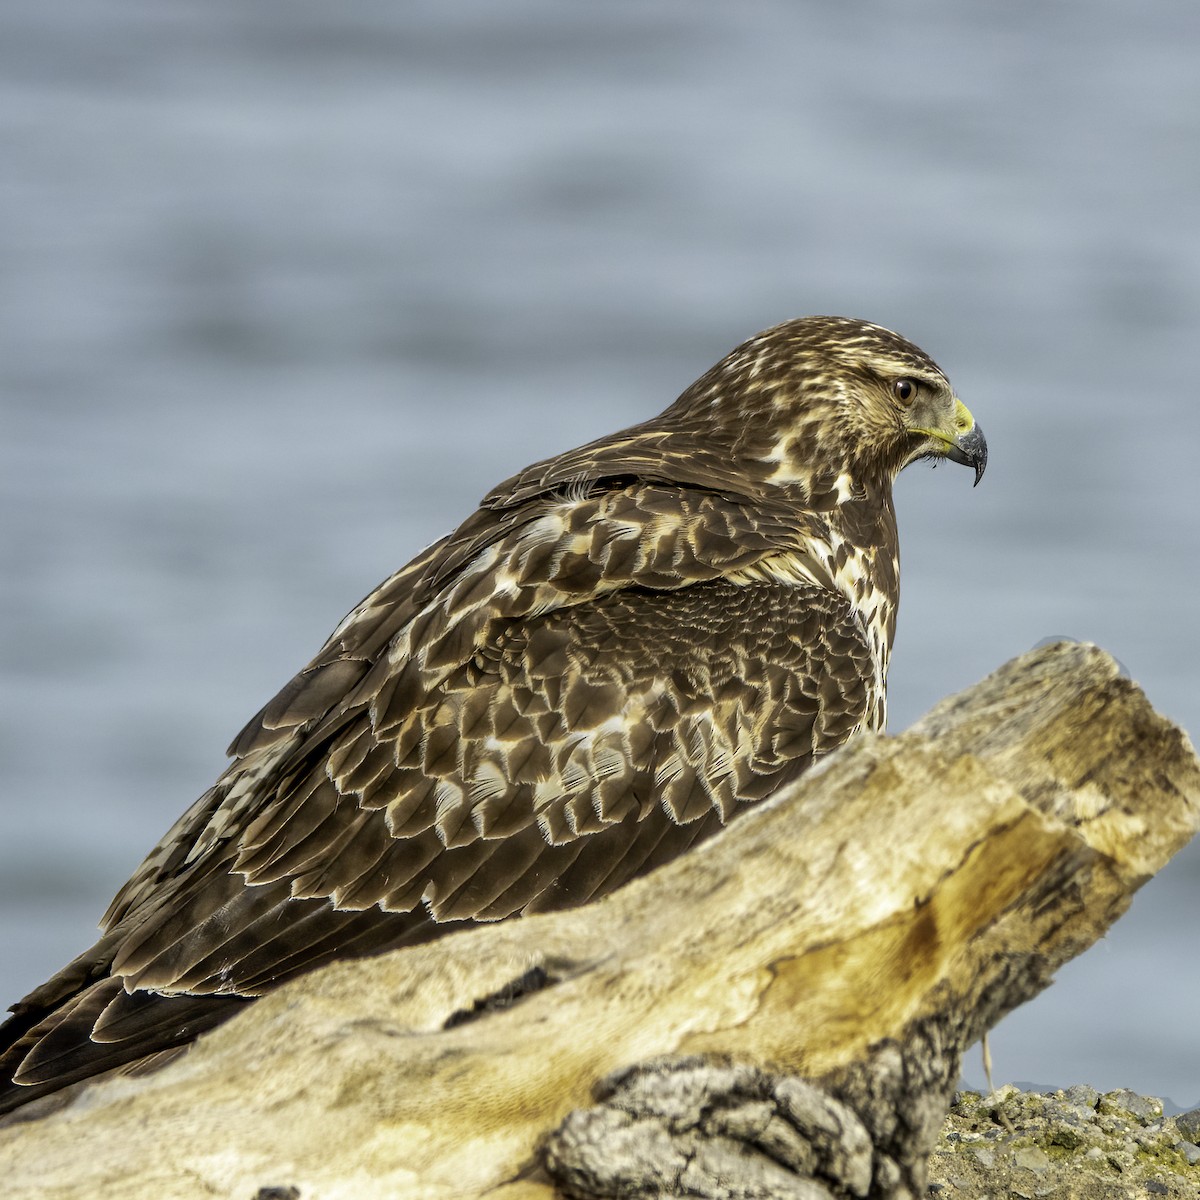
[(779, 1013)]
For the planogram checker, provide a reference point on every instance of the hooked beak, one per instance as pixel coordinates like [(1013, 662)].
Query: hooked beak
[(963, 443), (970, 449)]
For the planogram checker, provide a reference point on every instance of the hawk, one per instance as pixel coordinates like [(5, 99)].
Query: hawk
[(621, 649)]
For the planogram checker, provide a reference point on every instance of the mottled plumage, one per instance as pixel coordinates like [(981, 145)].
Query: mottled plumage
[(621, 647)]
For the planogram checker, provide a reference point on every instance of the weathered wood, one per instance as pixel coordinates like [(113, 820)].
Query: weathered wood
[(857, 932)]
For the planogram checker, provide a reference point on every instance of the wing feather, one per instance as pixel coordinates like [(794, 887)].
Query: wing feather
[(556, 698)]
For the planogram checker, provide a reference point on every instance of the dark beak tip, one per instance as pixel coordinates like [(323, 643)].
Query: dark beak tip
[(979, 453), (971, 451)]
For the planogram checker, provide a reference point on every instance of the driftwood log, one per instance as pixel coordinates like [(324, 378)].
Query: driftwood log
[(780, 1013)]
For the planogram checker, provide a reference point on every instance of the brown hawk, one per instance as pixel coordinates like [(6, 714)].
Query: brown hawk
[(616, 653)]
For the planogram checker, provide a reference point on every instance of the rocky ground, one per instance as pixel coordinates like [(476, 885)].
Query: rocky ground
[(1077, 1144)]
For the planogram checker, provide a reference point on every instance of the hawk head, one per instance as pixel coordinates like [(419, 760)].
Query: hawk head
[(833, 405), (828, 409)]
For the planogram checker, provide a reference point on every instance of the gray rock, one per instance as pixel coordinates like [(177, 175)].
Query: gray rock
[(1144, 1108), (1083, 1097), (1031, 1158), (1189, 1124), (1069, 1145)]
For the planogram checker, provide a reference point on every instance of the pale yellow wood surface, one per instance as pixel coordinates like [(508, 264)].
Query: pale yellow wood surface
[(1007, 829)]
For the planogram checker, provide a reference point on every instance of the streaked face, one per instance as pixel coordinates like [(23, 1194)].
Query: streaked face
[(867, 395)]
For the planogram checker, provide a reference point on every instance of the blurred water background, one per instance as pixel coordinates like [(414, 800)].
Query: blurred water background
[(285, 287)]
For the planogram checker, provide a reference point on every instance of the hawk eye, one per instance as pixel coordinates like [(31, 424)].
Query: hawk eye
[(905, 390)]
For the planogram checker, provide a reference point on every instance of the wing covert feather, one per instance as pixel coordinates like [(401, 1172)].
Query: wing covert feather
[(673, 710), (620, 650)]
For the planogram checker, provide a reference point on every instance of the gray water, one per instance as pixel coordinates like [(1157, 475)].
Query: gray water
[(284, 288)]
